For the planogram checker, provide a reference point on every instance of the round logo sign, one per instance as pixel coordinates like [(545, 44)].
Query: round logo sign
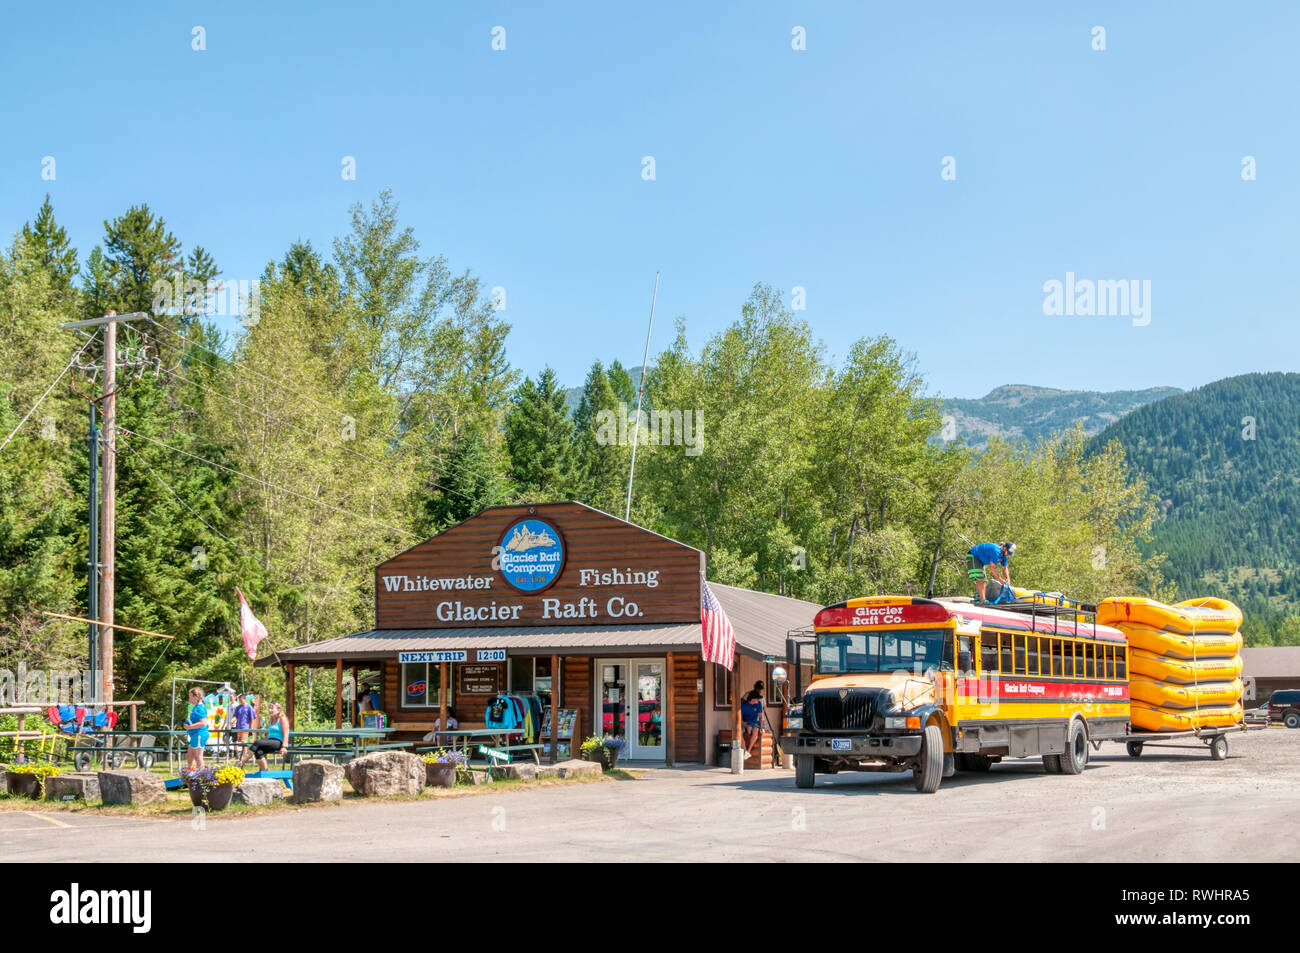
[(531, 555)]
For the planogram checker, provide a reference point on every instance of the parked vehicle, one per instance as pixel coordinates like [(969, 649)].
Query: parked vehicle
[(1284, 706)]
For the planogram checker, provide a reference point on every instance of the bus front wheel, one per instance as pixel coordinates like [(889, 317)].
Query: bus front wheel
[(805, 774), (929, 764), (1075, 758)]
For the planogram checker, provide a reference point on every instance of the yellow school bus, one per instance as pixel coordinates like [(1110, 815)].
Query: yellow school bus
[(935, 686)]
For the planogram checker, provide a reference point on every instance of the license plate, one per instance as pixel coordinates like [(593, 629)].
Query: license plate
[(841, 744)]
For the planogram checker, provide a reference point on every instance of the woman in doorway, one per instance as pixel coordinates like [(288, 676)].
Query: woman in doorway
[(196, 726), (276, 741)]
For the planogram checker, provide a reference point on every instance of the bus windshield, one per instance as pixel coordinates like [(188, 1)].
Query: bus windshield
[(907, 650)]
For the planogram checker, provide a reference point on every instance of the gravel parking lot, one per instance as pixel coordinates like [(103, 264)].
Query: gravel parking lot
[(1167, 805)]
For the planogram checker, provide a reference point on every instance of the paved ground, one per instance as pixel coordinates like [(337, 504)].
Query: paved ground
[(1164, 806)]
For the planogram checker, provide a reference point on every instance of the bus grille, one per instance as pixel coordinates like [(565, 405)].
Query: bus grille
[(852, 713)]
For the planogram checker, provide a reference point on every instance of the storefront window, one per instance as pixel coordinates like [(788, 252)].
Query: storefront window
[(721, 687), (421, 686), (531, 674)]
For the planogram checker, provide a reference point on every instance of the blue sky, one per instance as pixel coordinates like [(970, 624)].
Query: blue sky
[(817, 168)]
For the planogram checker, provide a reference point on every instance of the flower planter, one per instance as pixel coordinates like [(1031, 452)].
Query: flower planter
[(605, 757), (26, 785), (217, 797), (439, 775)]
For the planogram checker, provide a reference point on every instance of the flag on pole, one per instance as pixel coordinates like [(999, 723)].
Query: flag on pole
[(717, 638), (252, 629)]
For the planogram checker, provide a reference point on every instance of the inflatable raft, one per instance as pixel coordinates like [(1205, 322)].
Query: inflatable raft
[(1201, 695), (1175, 646), (1163, 719), (1182, 671), (1193, 617)]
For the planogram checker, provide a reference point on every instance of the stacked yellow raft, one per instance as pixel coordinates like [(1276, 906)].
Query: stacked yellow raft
[(1184, 661)]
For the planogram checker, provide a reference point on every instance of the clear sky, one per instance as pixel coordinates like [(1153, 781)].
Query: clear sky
[(818, 168)]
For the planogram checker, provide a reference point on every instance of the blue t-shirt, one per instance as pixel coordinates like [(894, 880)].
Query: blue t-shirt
[(243, 717), (199, 735), (987, 554), (750, 712)]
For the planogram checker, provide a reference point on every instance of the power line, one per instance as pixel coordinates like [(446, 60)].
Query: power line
[(41, 399), (267, 483), (195, 514)]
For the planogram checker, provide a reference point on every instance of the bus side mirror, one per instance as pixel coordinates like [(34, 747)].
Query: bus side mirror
[(964, 661), (779, 674)]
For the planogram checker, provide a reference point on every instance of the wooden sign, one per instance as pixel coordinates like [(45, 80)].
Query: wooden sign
[(480, 679), (554, 564)]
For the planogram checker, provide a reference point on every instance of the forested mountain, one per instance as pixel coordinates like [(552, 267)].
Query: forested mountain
[(1225, 461), (1017, 412)]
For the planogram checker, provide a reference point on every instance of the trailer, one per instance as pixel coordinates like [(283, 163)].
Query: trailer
[(1215, 738)]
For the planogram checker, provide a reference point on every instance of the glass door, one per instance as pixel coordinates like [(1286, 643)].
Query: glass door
[(646, 736), (613, 699)]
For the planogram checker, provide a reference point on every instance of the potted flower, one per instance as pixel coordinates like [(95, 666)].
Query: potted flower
[(28, 779), (212, 788), (443, 766), (603, 750)]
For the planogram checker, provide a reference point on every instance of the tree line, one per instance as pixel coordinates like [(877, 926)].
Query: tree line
[(366, 402)]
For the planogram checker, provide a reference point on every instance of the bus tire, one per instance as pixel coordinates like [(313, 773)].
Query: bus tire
[(1052, 763), (978, 763), (1075, 758), (928, 771), (805, 773)]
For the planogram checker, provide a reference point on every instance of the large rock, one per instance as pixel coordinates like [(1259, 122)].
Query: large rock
[(76, 786), (577, 769), (317, 780), (131, 787), (258, 792), (386, 773), (515, 771)]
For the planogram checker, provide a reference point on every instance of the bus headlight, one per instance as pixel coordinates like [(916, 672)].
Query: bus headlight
[(794, 722), (903, 723)]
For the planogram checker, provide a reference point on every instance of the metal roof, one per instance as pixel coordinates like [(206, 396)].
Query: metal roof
[(760, 619)]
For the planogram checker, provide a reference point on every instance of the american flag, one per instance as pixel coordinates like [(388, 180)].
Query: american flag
[(717, 638)]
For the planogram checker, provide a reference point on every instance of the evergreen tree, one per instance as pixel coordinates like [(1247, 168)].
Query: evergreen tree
[(539, 437)]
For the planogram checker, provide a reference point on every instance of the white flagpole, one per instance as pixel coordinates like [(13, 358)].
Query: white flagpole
[(640, 387)]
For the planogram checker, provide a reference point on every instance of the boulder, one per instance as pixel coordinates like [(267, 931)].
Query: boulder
[(317, 780), (515, 771), (577, 769), (76, 786), (259, 792), (386, 773), (131, 787)]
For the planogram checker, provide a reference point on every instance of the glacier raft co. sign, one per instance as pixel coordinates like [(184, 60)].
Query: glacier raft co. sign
[(552, 564)]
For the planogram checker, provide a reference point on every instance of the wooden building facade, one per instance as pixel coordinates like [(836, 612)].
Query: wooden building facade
[(558, 599)]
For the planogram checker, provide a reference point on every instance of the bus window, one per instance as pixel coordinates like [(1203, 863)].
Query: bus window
[(1078, 660), (1018, 644), (966, 645), (1058, 658), (1121, 670), (1089, 660), (1004, 647), (1032, 664), (989, 653)]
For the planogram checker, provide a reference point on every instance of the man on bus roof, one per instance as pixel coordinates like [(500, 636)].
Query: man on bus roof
[(987, 560)]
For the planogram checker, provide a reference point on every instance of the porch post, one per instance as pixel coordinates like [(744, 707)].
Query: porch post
[(338, 693), (442, 698), (555, 708), (667, 719), (737, 749), (288, 693)]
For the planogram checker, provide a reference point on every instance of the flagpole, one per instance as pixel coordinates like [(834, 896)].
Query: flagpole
[(640, 387)]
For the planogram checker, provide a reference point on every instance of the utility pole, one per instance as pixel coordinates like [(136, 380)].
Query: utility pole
[(107, 445)]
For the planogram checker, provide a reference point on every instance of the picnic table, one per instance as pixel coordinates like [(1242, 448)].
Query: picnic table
[(492, 738), (335, 743)]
